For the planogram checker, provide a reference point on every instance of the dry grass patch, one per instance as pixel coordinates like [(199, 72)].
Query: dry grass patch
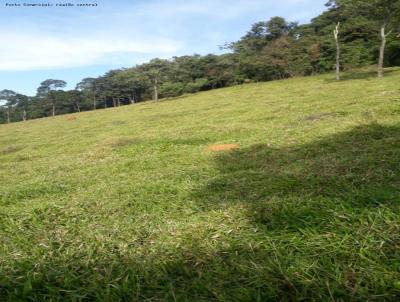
[(223, 147)]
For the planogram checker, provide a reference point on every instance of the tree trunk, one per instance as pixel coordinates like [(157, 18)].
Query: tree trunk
[(78, 107), (336, 35), (53, 109), (94, 102), (155, 89), (113, 99), (118, 102), (382, 51), (8, 115), (105, 102), (24, 115)]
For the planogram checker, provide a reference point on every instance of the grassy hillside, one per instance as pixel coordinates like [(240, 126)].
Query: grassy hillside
[(130, 204)]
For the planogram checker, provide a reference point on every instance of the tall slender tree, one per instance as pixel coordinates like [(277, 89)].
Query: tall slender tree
[(89, 88), (47, 90), (336, 36)]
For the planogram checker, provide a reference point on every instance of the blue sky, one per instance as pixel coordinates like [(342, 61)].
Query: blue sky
[(71, 43)]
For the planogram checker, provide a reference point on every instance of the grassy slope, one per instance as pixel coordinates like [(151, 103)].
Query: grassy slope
[(128, 203)]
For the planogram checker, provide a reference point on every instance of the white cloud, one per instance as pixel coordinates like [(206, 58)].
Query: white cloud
[(222, 9), (26, 52), (124, 32)]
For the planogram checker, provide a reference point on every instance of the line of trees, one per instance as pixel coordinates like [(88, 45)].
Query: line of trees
[(365, 32)]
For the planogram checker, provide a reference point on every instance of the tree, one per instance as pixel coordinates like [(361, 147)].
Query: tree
[(156, 70), (89, 88), (48, 89), (132, 84), (9, 97), (278, 27), (261, 33), (111, 87), (76, 98), (22, 103), (385, 12), (102, 85)]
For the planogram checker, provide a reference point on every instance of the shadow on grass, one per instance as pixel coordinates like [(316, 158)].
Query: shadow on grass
[(359, 75), (312, 198), (326, 217), (360, 167)]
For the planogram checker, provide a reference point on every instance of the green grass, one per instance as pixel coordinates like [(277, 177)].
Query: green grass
[(128, 204)]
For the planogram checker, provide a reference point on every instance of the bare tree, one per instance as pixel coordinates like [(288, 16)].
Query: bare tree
[(155, 88), (382, 48), (336, 35)]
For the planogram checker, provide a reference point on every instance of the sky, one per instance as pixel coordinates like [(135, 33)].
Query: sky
[(71, 42)]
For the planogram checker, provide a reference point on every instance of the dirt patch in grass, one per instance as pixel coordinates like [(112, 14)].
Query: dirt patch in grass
[(223, 147), (322, 115), (119, 142), (189, 141), (103, 151), (119, 123), (11, 149)]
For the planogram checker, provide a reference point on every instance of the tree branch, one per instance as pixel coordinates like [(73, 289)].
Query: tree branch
[(389, 33)]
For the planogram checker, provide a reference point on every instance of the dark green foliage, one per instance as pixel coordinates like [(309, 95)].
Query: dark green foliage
[(170, 89)]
